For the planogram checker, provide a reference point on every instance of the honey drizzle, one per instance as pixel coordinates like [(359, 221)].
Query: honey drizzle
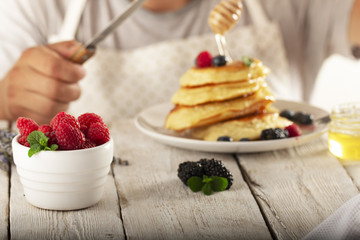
[(222, 18)]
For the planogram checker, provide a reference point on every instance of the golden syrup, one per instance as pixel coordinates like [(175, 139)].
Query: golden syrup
[(344, 146), (344, 131)]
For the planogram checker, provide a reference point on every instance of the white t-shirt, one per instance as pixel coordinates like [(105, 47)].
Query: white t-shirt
[(312, 30)]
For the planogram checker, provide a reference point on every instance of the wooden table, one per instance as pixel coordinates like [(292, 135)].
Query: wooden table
[(281, 194)]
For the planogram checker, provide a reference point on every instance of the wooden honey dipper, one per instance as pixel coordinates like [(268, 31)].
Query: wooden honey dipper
[(222, 18)]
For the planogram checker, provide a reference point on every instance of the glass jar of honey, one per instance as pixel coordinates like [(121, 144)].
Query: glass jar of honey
[(344, 131)]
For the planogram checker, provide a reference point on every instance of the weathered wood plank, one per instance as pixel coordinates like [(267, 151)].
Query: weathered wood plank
[(4, 203), (157, 205), (353, 169), (101, 221), (351, 166), (297, 188)]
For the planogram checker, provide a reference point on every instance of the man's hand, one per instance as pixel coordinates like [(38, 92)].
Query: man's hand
[(42, 83)]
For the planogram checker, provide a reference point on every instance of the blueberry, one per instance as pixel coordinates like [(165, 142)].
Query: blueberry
[(303, 118), (274, 133), (244, 139), (218, 61), (224, 139), (287, 114)]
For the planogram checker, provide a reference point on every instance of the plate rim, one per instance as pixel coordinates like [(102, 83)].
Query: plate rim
[(230, 147)]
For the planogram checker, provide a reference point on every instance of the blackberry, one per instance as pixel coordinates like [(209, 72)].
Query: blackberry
[(244, 139), (274, 133), (224, 139), (303, 118), (212, 167), (218, 61), (188, 169), (287, 114)]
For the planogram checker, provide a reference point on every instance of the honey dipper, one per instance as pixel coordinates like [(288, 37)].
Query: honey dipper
[(222, 18)]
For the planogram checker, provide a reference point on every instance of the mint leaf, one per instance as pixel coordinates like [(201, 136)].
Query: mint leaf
[(195, 183), (206, 179), (247, 60), (219, 183), (53, 147), (38, 142), (43, 141), (37, 137), (207, 184), (206, 189), (35, 148)]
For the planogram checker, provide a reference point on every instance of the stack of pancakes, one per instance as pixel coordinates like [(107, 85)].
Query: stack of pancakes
[(231, 100)]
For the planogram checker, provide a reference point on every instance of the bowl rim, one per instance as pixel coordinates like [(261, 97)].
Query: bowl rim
[(16, 142)]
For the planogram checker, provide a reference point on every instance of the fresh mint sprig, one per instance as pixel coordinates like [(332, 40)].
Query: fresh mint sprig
[(247, 60), (39, 142), (207, 185)]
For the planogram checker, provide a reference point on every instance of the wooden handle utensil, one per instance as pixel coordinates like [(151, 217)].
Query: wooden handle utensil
[(82, 54), (222, 18)]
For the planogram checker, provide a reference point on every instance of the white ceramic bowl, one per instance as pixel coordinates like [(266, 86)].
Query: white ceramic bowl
[(63, 180)]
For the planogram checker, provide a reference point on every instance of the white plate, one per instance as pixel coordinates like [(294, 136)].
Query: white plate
[(151, 122)]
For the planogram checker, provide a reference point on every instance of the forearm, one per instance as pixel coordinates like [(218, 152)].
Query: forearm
[(354, 25), (4, 113)]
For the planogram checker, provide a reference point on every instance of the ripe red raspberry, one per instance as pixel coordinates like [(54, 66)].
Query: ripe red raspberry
[(26, 126), (63, 117), (294, 130), (69, 137), (204, 59), (88, 144), (98, 133), (49, 132), (23, 141), (87, 119)]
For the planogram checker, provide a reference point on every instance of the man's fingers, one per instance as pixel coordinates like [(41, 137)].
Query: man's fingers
[(50, 63), (37, 103), (51, 88), (65, 49)]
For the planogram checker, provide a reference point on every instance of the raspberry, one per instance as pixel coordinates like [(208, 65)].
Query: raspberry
[(63, 117), (26, 126), (69, 137), (98, 133), (49, 132), (23, 141), (84, 129), (88, 144), (203, 59), (294, 130), (46, 129), (87, 119)]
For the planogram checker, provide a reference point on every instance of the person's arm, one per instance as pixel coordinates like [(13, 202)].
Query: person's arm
[(354, 28), (41, 83), (354, 25), (36, 80)]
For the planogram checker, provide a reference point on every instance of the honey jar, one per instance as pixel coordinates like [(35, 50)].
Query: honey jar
[(344, 131)]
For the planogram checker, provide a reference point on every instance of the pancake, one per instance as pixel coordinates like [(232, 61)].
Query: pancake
[(183, 117), (190, 96), (233, 72), (247, 127)]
